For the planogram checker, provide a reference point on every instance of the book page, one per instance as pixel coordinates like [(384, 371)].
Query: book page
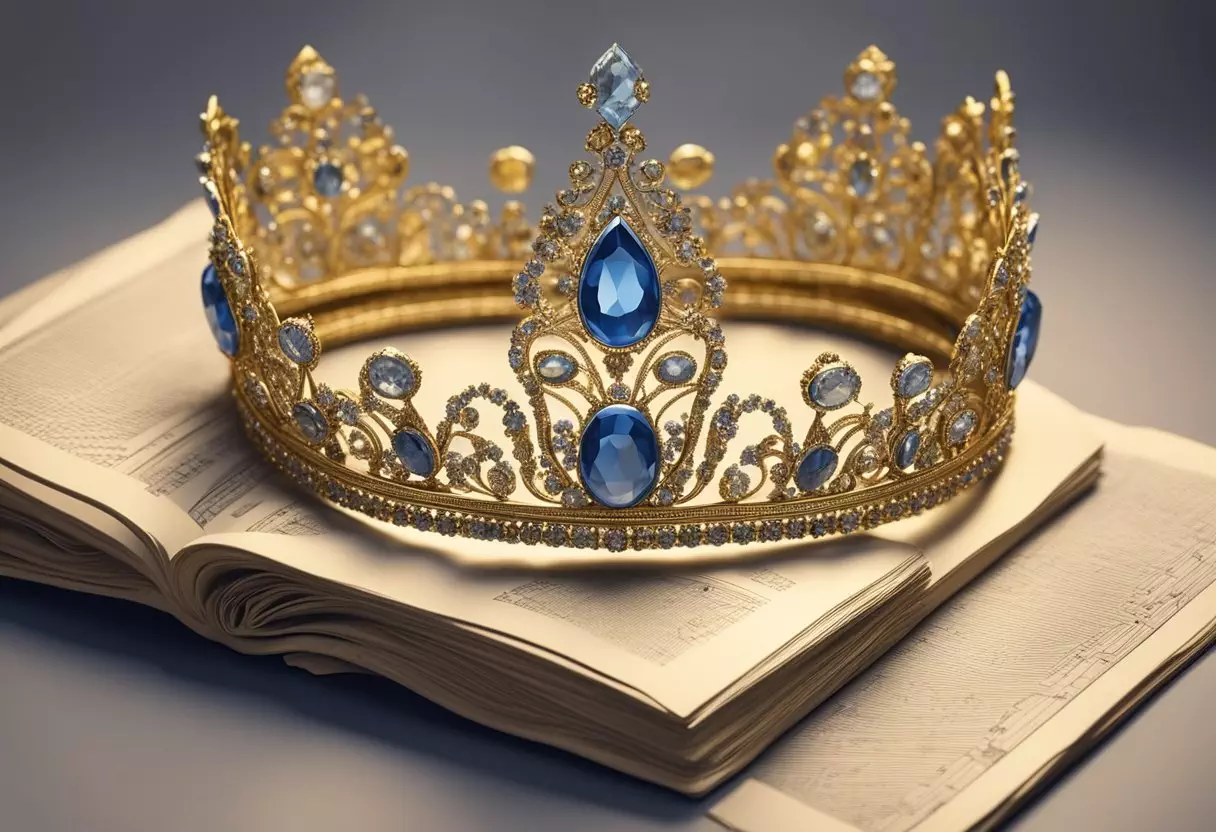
[(678, 634), (994, 688), (114, 392)]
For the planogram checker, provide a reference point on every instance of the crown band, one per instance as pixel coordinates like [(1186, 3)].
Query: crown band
[(858, 232)]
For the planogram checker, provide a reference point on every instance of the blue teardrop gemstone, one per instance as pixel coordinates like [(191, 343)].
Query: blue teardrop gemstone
[(219, 312), (816, 468), (1025, 340), (618, 293), (618, 456)]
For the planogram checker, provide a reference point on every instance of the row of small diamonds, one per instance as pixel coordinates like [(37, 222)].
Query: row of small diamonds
[(612, 539)]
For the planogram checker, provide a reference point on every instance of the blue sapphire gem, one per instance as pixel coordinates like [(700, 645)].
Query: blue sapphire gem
[(219, 312), (311, 421), (327, 179), (1032, 229), (914, 379), (614, 76), (861, 176), (618, 456), (905, 453), (391, 376), (834, 387), (816, 468), (1025, 340), (619, 294), (414, 451), (295, 343)]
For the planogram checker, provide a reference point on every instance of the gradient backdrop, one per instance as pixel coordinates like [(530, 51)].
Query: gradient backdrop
[(1115, 121)]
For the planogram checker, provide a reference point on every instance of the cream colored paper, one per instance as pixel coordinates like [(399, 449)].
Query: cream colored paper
[(1027, 667)]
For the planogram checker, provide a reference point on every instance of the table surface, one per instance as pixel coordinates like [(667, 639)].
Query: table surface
[(114, 717)]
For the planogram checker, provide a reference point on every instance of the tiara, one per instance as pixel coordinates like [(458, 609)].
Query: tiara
[(618, 437)]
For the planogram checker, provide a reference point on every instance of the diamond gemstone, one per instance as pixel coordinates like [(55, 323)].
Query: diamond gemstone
[(816, 468), (390, 376), (834, 387), (295, 343), (614, 76), (676, 368), (961, 427), (414, 451), (866, 86), (316, 89), (619, 294), (311, 421), (915, 379), (1001, 278), (556, 368), (618, 456), (219, 312)]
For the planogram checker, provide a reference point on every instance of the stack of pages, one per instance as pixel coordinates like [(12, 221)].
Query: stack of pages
[(123, 472)]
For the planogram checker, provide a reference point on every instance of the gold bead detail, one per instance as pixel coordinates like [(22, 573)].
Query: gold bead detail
[(641, 90), (690, 166), (511, 169), (600, 137), (632, 138), (586, 95)]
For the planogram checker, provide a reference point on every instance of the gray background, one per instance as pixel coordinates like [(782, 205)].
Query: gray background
[(103, 727)]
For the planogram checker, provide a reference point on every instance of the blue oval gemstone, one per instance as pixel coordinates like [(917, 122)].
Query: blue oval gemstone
[(618, 456), (675, 368), (311, 422), (328, 179), (1025, 340), (816, 468), (414, 452), (618, 293), (295, 343), (219, 312), (905, 454)]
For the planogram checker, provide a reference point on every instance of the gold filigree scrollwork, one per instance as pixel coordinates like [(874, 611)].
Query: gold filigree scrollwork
[(566, 370), (852, 193), (326, 196)]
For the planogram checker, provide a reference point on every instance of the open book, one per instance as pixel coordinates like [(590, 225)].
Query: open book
[(123, 472), (1004, 688)]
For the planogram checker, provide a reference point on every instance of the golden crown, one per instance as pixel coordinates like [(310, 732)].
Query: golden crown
[(315, 235)]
